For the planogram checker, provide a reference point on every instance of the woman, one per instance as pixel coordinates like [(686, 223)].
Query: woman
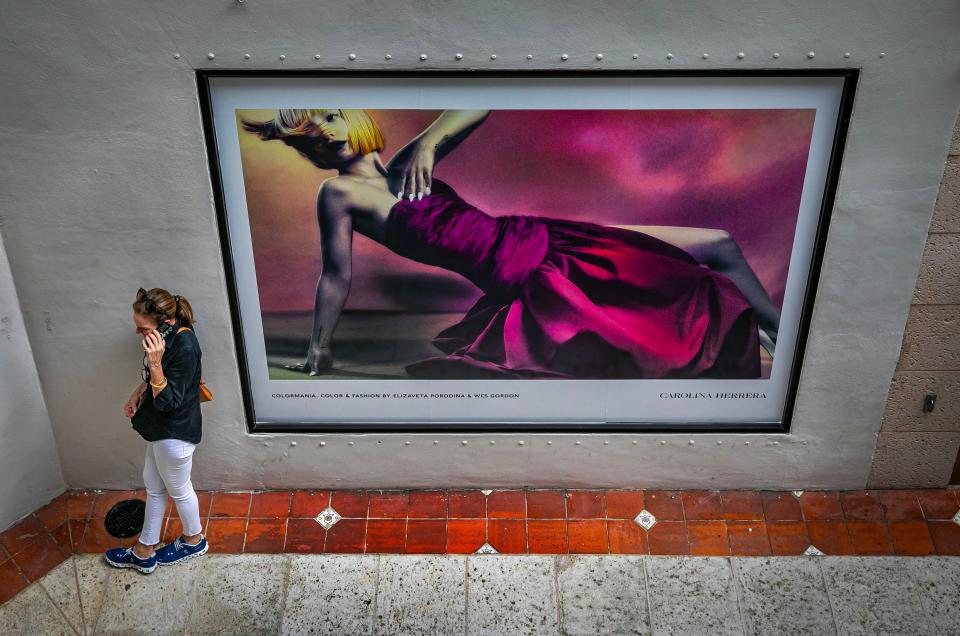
[(165, 410), (562, 299)]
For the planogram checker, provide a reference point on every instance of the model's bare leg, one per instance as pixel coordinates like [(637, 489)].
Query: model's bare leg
[(336, 236), (330, 297), (717, 250)]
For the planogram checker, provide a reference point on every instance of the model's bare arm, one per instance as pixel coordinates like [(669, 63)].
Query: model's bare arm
[(411, 168), (450, 128)]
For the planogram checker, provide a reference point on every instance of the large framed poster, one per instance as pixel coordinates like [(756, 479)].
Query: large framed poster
[(518, 251)]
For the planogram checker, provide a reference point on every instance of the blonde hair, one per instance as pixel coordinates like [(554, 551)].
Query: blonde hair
[(363, 133)]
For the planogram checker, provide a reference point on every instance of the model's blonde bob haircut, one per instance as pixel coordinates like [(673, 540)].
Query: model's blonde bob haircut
[(363, 133)]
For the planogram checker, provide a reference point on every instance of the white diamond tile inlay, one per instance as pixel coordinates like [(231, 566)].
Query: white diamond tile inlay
[(486, 548), (328, 518), (956, 518), (812, 551), (486, 492), (645, 519), (797, 493)]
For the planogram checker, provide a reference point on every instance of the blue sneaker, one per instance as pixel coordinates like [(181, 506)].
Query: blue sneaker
[(180, 550), (125, 558)]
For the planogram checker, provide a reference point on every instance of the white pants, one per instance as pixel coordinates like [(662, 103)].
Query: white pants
[(166, 469)]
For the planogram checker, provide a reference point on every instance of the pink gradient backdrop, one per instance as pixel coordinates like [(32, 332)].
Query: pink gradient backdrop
[(737, 170)]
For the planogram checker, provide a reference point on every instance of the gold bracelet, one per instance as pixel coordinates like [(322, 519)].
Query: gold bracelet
[(160, 385)]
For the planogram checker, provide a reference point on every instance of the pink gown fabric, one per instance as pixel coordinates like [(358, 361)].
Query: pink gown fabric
[(567, 299)]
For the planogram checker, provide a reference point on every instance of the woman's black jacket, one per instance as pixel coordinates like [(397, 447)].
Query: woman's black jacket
[(175, 412)]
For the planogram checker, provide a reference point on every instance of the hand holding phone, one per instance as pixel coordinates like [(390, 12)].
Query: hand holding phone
[(154, 346)]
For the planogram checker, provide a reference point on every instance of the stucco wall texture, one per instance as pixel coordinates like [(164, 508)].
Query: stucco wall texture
[(917, 448), (28, 454), (105, 188)]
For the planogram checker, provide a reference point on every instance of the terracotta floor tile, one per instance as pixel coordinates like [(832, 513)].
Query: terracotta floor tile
[(428, 504), (946, 537), (507, 504), (107, 499), (203, 503), (11, 581), (665, 505), (80, 504), (780, 506), (307, 504), (547, 536), (230, 504), (587, 536), (830, 537), (787, 538), (265, 535), (585, 504), (62, 536), (388, 505), (624, 504), (97, 539), (626, 537), (226, 534), (426, 536), (465, 536), (938, 504), (821, 506), (54, 514), (272, 504), (386, 536), (348, 535), (911, 538), (869, 538), (172, 529), (204, 499), (77, 528), (507, 536), (877, 522), (861, 504), (708, 538), (21, 534), (702, 505), (742, 504), (466, 504), (42, 555), (546, 504), (900, 505), (748, 538), (352, 503), (306, 535), (669, 537)]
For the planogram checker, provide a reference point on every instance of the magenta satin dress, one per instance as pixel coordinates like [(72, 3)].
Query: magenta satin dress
[(566, 299)]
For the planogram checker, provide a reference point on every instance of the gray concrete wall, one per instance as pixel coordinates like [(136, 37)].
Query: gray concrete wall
[(105, 189), (28, 454)]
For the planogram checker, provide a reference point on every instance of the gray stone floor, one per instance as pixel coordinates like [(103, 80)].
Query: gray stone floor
[(495, 594)]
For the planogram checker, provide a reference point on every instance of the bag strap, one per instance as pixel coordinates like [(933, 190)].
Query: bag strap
[(188, 329)]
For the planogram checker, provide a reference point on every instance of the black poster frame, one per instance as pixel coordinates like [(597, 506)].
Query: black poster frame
[(254, 425)]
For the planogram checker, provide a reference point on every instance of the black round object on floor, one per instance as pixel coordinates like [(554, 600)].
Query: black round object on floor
[(125, 519)]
